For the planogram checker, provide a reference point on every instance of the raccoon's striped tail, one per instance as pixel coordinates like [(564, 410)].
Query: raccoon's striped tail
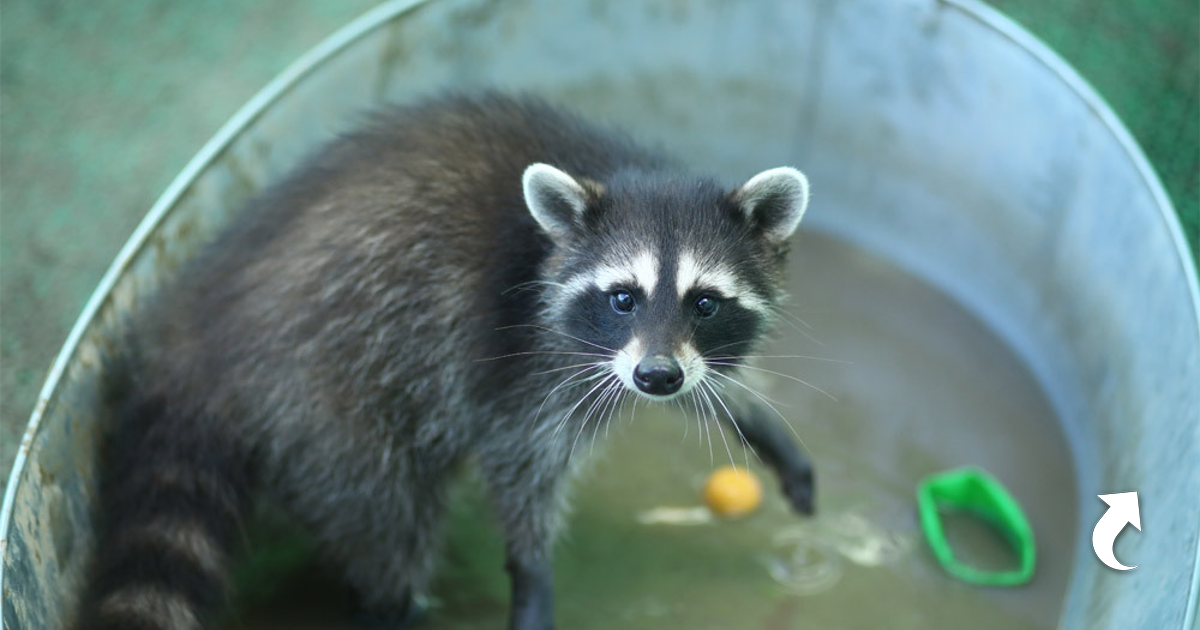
[(172, 496)]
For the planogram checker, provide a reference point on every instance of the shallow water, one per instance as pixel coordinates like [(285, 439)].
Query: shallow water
[(921, 386)]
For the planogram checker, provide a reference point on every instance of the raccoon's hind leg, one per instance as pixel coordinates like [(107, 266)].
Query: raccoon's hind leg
[(382, 532), (389, 575), (172, 495)]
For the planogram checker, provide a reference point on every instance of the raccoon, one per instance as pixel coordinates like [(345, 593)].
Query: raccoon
[(468, 280)]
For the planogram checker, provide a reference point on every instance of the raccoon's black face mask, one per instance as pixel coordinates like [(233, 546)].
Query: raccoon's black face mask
[(664, 278)]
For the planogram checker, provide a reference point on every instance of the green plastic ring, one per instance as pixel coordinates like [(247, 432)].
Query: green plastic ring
[(973, 491)]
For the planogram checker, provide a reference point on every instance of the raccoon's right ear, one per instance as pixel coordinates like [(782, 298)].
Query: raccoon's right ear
[(774, 201), (556, 200)]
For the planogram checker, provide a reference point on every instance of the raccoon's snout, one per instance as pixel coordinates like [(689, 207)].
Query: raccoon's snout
[(659, 376)]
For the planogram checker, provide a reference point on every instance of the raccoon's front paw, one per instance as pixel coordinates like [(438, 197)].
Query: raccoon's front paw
[(798, 489), (389, 616)]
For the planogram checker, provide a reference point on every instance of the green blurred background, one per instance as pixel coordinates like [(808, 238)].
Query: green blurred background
[(102, 103)]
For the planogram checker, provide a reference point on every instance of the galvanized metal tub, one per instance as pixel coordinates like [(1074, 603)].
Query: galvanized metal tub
[(951, 142)]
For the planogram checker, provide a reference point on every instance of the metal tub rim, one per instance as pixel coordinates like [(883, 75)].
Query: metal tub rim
[(242, 119)]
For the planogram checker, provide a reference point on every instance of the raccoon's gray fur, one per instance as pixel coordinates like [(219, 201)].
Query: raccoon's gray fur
[(466, 280)]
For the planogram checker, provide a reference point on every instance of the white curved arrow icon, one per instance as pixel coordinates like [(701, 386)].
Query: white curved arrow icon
[(1123, 509)]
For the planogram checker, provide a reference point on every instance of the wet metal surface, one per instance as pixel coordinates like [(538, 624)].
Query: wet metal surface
[(937, 136)]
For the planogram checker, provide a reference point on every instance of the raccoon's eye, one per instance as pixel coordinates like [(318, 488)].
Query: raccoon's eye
[(706, 306), (622, 301)]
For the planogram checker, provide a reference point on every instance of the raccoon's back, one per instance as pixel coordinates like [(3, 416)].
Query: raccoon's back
[(389, 253)]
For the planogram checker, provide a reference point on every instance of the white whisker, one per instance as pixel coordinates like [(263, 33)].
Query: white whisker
[(604, 415), (568, 367), (788, 318), (562, 423), (534, 352), (720, 427), (779, 374), (568, 384), (766, 402), (699, 427), (724, 345), (612, 408), (686, 422), (591, 410), (764, 397), (775, 356), (525, 286), (707, 431), (559, 332), (746, 447)]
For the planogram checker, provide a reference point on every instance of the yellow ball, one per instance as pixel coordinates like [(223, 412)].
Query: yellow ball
[(732, 492)]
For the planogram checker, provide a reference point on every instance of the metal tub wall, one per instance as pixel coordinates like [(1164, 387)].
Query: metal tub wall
[(936, 133)]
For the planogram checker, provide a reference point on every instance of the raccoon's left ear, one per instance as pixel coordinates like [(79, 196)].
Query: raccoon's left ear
[(775, 201), (555, 199)]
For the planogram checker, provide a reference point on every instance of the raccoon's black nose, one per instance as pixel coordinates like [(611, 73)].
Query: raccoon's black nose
[(660, 376)]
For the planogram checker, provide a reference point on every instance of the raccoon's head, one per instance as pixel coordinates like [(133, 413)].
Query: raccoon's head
[(664, 277)]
